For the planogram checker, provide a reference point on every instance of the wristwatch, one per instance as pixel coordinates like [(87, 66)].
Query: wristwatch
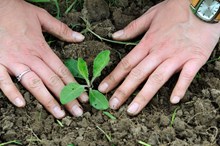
[(206, 10)]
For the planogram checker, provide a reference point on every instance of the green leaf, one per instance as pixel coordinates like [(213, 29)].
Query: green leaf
[(101, 60), (71, 64), (71, 92), (83, 69), (98, 100)]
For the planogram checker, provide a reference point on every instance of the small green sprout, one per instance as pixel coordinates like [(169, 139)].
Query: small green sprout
[(60, 123), (106, 135), (143, 143), (79, 69), (174, 116), (11, 142), (109, 115)]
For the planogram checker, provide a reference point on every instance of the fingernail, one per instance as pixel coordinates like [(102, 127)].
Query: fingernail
[(175, 99), (58, 112), (118, 34), (84, 97), (78, 37), (77, 111), (19, 102), (103, 87), (114, 103), (133, 108)]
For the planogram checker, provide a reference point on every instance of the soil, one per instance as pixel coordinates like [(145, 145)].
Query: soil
[(197, 119)]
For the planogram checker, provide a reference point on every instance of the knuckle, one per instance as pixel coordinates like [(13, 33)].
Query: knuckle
[(143, 98), (125, 64), (156, 78), (133, 25), (63, 29), (120, 93), (188, 75), (149, 37), (34, 82), (49, 103), (64, 71), (54, 80), (136, 74), (42, 10), (111, 78), (199, 54)]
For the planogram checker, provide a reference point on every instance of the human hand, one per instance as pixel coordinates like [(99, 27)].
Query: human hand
[(23, 47), (175, 40)]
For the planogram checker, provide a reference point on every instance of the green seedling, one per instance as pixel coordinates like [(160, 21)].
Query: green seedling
[(60, 123), (109, 115), (89, 29), (11, 142), (79, 69), (143, 143), (174, 116), (75, 5), (106, 135)]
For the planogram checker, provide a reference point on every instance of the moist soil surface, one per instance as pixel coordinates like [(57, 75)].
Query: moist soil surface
[(197, 118)]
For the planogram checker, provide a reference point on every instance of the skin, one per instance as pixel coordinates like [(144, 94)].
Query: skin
[(22, 46), (174, 41)]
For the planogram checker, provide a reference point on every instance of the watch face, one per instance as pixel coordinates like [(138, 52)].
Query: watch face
[(208, 9)]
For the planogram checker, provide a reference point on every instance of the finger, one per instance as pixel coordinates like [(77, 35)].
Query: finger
[(9, 89), (126, 64), (35, 85), (57, 66), (135, 78), (136, 27), (57, 28), (153, 84), (186, 76), (55, 84)]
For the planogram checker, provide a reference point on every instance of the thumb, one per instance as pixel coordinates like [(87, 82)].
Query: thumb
[(136, 27), (57, 28)]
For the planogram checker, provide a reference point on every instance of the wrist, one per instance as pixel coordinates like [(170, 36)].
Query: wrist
[(207, 11)]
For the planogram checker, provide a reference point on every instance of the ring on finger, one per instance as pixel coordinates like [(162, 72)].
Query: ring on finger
[(19, 77)]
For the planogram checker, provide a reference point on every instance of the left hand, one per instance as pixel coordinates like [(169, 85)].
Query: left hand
[(175, 40)]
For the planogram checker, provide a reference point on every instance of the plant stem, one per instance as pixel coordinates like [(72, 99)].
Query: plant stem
[(11, 142), (58, 8), (143, 143), (109, 115), (112, 41), (39, 1), (174, 116), (70, 7), (88, 26), (60, 123), (107, 136)]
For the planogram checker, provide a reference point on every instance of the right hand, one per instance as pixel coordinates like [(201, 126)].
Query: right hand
[(22, 46)]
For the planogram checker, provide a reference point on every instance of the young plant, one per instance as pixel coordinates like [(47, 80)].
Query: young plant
[(79, 69), (11, 142)]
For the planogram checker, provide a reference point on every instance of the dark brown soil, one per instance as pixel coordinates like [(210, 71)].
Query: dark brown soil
[(197, 119)]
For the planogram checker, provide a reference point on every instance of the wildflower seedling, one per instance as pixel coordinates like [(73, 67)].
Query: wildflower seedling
[(79, 69)]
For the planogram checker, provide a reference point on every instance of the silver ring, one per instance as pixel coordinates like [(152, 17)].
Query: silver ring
[(22, 74)]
